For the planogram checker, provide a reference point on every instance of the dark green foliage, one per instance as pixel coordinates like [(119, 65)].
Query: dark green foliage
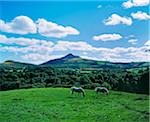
[(131, 80)]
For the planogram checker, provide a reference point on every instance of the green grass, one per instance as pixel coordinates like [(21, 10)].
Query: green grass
[(58, 105)]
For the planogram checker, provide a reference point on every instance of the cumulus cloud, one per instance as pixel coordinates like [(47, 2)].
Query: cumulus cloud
[(40, 51), (23, 41), (115, 19), (118, 54), (25, 45), (107, 37), (25, 25), (133, 41), (147, 43), (140, 15), (19, 25), (130, 54), (37, 58), (51, 29), (135, 3), (67, 45)]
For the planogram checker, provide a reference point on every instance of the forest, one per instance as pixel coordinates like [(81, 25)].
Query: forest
[(134, 80)]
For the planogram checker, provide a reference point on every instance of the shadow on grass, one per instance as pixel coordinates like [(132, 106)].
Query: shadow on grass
[(141, 98), (17, 99)]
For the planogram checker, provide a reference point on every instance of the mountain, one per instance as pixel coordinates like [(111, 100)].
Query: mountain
[(11, 63), (76, 62), (72, 61), (68, 58)]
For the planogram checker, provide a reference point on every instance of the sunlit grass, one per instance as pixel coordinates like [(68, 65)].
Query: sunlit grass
[(57, 105)]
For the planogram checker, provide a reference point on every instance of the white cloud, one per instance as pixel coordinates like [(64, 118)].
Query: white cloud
[(23, 41), (19, 25), (68, 45), (90, 58), (99, 6), (51, 29), (130, 54), (25, 25), (119, 54), (140, 15), (107, 37), (40, 51), (135, 3), (139, 56), (25, 45), (133, 41), (37, 58), (115, 19), (128, 4), (147, 43)]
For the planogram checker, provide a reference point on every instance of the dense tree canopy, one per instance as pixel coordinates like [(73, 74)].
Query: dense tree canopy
[(131, 80)]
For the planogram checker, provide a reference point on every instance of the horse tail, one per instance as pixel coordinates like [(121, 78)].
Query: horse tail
[(83, 92)]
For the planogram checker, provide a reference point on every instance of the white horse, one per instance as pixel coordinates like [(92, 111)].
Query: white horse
[(102, 89), (78, 90)]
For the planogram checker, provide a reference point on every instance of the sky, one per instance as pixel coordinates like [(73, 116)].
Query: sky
[(105, 30)]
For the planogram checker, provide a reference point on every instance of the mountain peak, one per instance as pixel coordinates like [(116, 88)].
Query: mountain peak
[(70, 56)]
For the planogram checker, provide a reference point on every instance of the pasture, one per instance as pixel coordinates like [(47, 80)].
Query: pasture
[(58, 105)]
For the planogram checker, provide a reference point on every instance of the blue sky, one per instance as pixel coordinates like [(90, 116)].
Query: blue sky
[(35, 32)]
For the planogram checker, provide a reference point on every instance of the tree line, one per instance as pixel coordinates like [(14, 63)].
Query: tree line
[(133, 80)]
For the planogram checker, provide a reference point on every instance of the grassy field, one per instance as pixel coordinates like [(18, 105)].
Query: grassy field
[(58, 105)]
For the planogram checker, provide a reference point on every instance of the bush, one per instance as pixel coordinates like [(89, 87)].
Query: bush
[(91, 85), (107, 85), (9, 85), (39, 85)]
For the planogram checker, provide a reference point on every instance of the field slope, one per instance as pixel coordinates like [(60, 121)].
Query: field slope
[(58, 105)]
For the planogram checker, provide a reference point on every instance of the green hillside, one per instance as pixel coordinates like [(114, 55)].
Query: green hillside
[(134, 80), (74, 70), (76, 62), (15, 64), (58, 105)]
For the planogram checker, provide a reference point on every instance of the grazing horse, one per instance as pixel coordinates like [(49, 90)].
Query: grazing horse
[(102, 89), (78, 90)]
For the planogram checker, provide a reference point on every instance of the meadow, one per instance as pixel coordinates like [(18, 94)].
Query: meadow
[(58, 105)]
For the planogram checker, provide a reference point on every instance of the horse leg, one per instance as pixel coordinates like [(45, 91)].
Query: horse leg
[(72, 92), (97, 92), (83, 94), (78, 93), (106, 93)]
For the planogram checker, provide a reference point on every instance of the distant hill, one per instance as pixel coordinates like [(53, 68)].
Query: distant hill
[(11, 63), (76, 62), (72, 61)]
